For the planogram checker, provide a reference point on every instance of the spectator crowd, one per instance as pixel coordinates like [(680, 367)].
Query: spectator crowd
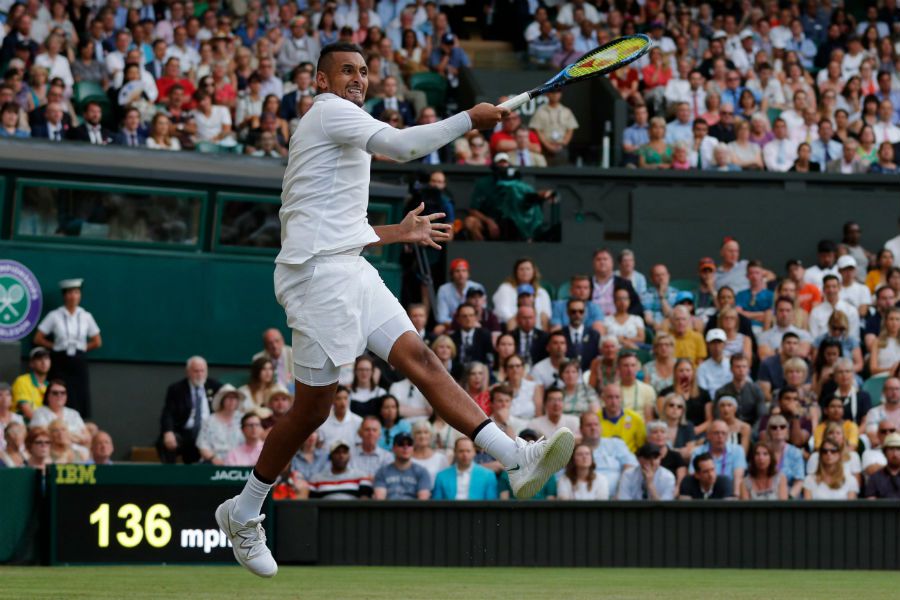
[(750, 381)]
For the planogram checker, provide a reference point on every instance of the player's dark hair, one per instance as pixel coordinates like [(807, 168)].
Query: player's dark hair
[(324, 60)]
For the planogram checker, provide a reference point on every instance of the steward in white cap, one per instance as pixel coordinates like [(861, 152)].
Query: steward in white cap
[(70, 332)]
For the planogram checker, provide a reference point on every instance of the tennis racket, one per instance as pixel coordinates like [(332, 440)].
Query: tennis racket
[(599, 61)]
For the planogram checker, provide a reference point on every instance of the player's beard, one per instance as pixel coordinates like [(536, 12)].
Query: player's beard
[(357, 99)]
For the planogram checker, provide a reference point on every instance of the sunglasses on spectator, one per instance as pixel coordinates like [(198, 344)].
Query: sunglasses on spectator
[(777, 426), (886, 431), (40, 443), (576, 311), (725, 112), (58, 393), (678, 406), (829, 451), (514, 366), (404, 444)]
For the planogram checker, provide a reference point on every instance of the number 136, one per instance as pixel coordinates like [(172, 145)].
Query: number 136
[(156, 528)]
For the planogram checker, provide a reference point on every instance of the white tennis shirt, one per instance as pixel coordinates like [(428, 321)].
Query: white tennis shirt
[(325, 192)]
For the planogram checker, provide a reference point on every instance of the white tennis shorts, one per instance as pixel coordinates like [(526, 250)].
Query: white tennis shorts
[(337, 306)]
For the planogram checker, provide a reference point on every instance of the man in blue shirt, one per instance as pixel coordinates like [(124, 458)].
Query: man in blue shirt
[(682, 127), (651, 482), (447, 59), (453, 293), (579, 289), (728, 457), (659, 298), (637, 134), (826, 149), (611, 455), (756, 301)]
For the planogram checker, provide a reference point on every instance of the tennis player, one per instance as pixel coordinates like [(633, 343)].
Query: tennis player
[(338, 306)]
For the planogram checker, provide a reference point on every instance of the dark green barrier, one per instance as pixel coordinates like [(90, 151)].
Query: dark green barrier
[(139, 513), (20, 504), (714, 534)]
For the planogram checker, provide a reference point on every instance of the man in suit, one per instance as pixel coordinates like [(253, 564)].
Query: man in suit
[(582, 342), (472, 342), (19, 39), (546, 372), (531, 342), (301, 75), (91, 130), (393, 102), (187, 407), (131, 134), (604, 284), (465, 480), (441, 155), (54, 127), (157, 66), (55, 94), (523, 156), (849, 163)]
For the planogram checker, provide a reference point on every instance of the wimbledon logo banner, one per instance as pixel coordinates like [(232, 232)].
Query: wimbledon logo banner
[(20, 301)]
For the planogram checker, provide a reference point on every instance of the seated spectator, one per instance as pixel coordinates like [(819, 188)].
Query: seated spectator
[(885, 482), (764, 481), (368, 457), (715, 371), (255, 392), (856, 402), (28, 389), (544, 47), (62, 450), (852, 463), (685, 384), (838, 331), (801, 420), (309, 460), (833, 413), (54, 408), (702, 146), (656, 153), (247, 453), (652, 481), (465, 480), (187, 405), (553, 418), (744, 152), (770, 339), (280, 354), (688, 343), (172, 77), (626, 327), (724, 130), (9, 122), (213, 121), (780, 153), (279, 403), (611, 455), (364, 389), (101, 449), (578, 317), (888, 411), (603, 368), (771, 370), (736, 342), (636, 135), (636, 395), (7, 415), (616, 421), (424, 453), (681, 127), (804, 164), (402, 479), (581, 481), (705, 483), (523, 156), (827, 148), (14, 453), (713, 106), (680, 436), (221, 432), (885, 163), (659, 298), (659, 371), (392, 424), (249, 104), (504, 139), (849, 162), (161, 137), (452, 295), (578, 397), (37, 448), (473, 341), (730, 459), (884, 353), (788, 456), (528, 395), (830, 481), (338, 480), (738, 431)]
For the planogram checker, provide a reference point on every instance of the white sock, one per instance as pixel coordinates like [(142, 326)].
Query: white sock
[(249, 502), (497, 444)]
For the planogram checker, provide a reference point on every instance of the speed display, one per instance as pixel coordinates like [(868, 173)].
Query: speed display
[(140, 513)]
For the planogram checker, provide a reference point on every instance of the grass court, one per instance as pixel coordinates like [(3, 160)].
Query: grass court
[(398, 583)]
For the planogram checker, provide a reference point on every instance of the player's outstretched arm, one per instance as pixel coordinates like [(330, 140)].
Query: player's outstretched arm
[(415, 142), (415, 229)]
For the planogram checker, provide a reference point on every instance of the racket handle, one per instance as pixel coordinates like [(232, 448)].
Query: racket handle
[(516, 101)]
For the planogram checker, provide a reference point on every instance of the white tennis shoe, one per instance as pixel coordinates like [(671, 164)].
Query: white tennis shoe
[(248, 541), (539, 461)]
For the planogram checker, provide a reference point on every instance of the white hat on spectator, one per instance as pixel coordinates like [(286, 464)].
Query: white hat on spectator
[(719, 35), (747, 33), (277, 390), (846, 262), (70, 284), (225, 390), (501, 156), (337, 444), (891, 441), (716, 335)]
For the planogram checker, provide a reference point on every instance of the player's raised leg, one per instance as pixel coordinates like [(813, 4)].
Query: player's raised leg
[(529, 465), (240, 517)]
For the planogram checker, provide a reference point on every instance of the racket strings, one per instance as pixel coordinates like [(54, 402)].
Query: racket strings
[(601, 59)]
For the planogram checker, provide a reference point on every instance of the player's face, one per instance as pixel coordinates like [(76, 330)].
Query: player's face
[(347, 77)]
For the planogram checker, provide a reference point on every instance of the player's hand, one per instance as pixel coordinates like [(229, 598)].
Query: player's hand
[(486, 115), (423, 230), (169, 441)]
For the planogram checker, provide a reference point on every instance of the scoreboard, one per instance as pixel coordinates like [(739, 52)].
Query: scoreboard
[(140, 513)]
